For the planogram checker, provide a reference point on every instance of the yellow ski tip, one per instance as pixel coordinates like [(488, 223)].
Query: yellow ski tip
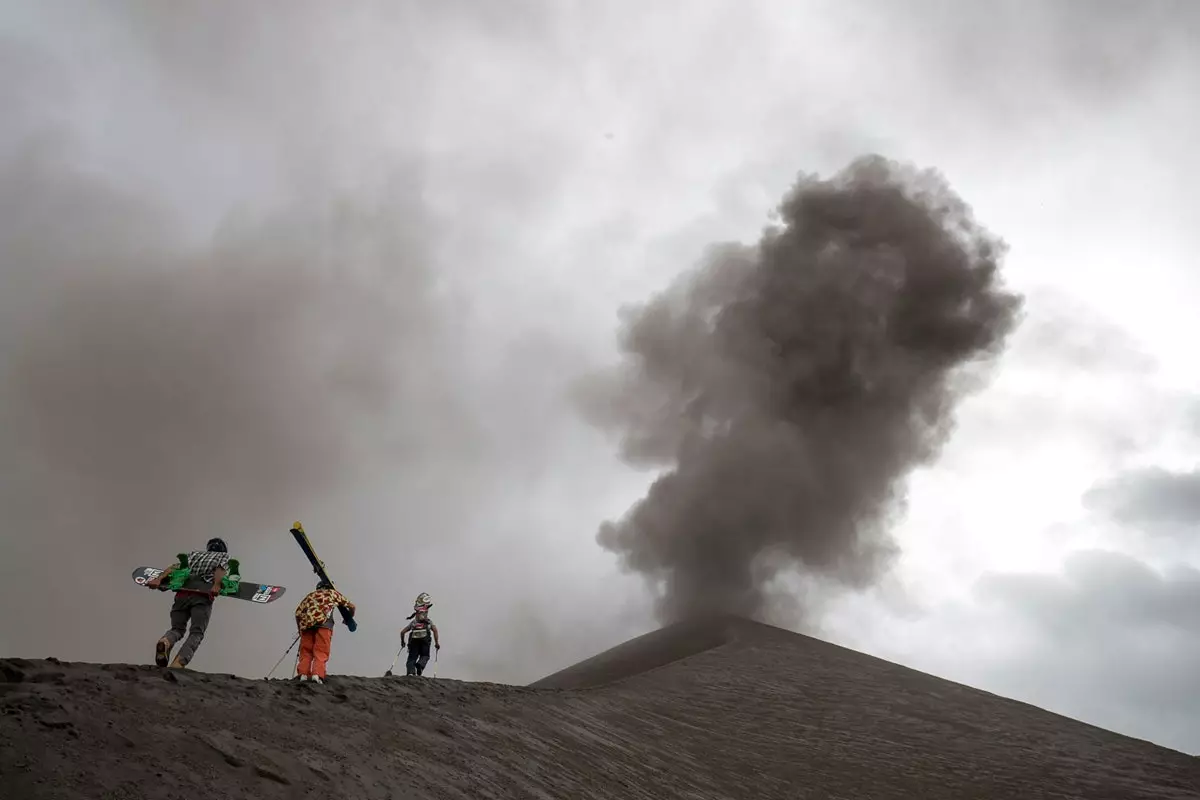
[(296, 526)]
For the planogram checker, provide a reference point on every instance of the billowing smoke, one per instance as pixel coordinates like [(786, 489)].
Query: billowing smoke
[(789, 387)]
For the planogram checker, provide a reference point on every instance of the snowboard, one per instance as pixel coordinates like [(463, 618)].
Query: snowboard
[(232, 586)]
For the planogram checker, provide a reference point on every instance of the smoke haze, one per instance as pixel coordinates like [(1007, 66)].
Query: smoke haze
[(339, 262), (234, 308), (791, 386), (156, 393)]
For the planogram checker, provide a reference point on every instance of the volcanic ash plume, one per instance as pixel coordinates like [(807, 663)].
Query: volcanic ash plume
[(789, 387)]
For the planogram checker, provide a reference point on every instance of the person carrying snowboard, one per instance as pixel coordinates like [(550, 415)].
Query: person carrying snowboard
[(419, 632), (314, 621), (191, 605)]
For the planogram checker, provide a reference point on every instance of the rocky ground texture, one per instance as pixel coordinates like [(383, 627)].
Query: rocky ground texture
[(723, 710)]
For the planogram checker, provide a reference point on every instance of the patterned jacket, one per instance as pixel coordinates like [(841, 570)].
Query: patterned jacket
[(316, 609)]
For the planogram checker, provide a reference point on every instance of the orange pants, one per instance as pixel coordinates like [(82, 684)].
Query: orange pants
[(314, 651)]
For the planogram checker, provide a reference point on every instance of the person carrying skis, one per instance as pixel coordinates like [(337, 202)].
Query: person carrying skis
[(191, 605), (314, 621), (419, 631)]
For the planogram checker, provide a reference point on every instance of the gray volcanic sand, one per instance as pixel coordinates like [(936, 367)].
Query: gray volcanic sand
[(731, 709)]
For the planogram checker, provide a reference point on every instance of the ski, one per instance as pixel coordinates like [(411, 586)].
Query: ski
[(232, 584), (319, 568)]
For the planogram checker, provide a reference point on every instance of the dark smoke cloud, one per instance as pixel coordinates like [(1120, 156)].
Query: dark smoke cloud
[(790, 386)]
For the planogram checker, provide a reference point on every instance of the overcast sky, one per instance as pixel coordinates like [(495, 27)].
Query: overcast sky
[(342, 263)]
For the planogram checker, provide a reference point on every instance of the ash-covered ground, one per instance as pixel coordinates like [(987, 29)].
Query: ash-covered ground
[(730, 709)]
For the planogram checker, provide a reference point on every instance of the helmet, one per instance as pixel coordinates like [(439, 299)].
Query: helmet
[(216, 545), (423, 599), (324, 584)]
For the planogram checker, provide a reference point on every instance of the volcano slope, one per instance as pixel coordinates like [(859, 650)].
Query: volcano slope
[(730, 709)]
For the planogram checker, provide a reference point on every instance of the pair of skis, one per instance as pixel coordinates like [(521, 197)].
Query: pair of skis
[(319, 567)]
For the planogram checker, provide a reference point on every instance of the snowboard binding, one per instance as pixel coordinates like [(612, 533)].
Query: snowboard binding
[(179, 578)]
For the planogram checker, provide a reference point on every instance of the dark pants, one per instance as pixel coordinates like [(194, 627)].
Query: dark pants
[(193, 608), (418, 655)]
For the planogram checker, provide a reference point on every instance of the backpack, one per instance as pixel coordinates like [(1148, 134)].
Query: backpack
[(420, 628)]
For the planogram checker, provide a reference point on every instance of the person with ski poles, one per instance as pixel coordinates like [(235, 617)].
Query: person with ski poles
[(192, 606), (314, 621), (419, 631)]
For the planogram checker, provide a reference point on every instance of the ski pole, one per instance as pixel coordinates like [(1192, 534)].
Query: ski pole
[(282, 657), (388, 674)]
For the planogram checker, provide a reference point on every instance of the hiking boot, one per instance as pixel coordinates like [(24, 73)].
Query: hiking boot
[(162, 651), (177, 664), (317, 679)]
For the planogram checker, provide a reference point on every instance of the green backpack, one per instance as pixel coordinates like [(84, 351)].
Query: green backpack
[(181, 578)]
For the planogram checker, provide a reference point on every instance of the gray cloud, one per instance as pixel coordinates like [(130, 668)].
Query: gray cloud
[(1110, 640), (1063, 333), (1149, 496), (158, 383), (1058, 58), (1077, 377)]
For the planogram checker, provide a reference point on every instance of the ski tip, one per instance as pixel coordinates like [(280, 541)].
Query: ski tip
[(296, 526)]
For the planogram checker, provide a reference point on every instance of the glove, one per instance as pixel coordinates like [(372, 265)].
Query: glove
[(401, 644), (437, 647)]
